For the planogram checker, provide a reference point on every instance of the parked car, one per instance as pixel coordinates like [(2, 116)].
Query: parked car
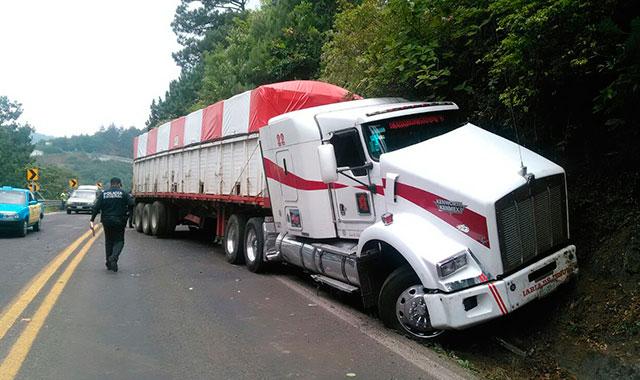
[(19, 210), (82, 199)]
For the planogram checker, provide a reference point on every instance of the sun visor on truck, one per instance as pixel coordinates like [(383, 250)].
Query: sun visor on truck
[(241, 114)]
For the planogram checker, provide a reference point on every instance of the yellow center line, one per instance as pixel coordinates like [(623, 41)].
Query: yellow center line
[(14, 360), (29, 292)]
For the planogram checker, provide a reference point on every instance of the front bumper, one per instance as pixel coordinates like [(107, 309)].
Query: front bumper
[(80, 207), (496, 298), (10, 225)]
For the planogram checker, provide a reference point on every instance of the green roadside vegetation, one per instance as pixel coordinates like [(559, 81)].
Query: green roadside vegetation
[(87, 158)]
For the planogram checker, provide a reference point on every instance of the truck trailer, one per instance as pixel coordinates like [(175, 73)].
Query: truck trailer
[(437, 223)]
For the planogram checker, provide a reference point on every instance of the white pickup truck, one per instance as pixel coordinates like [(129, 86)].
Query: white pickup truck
[(433, 220)]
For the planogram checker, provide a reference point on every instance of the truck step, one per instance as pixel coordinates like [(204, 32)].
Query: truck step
[(335, 283)]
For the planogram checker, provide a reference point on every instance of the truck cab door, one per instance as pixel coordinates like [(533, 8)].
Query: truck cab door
[(34, 209), (353, 203), (284, 161)]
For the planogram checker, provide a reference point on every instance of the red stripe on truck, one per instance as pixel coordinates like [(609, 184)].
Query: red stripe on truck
[(278, 174), (246, 199), (496, 295), (476, 223)]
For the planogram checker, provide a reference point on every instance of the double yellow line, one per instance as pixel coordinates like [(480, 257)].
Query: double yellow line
[(13, 361)]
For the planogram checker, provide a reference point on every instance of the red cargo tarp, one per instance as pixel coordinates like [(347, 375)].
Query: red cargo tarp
[(276, 99)]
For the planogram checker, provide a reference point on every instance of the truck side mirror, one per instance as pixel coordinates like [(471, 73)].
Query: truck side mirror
[(328, 164)]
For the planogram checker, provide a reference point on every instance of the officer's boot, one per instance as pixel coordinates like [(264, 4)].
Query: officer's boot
[(117, 249)]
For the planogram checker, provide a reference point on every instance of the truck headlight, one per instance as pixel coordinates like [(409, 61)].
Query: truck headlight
[(452, 265)]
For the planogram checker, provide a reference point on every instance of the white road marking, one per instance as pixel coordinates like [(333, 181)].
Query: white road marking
[(436, 366)]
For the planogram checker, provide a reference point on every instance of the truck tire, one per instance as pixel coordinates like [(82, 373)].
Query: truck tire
[(401, 306), (254, 245), (137, 216), (158, 219), (68, 212), (146, 219), (234, 239), (172, 219)]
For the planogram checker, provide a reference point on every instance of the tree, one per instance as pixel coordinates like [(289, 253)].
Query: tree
[(199, 25), (179, 99), (420, 49), (557, 69), (111, 140), (15, 144), (281, 41)]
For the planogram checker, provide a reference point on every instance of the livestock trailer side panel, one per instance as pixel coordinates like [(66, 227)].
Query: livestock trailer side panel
[(229, 167)]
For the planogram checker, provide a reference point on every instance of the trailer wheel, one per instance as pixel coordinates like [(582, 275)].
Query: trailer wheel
[(402, 307), (233, 239), (137, 216), (146, 219), (253, 245), (158, 219)]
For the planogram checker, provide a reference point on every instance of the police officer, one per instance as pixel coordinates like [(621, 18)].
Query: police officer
[(63, 200), (113, 204)]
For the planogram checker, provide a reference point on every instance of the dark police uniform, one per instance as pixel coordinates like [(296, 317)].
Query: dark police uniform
[(113, 205)]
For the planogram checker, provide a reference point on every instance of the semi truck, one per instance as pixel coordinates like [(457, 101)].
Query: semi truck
[(433, 221)]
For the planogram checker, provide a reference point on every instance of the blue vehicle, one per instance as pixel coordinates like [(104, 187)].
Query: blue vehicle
[(19, 210)]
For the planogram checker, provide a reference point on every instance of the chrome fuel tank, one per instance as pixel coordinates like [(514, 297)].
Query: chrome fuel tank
[(336, 259)]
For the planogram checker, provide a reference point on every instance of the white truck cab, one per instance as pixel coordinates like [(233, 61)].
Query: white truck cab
[(437, 222)]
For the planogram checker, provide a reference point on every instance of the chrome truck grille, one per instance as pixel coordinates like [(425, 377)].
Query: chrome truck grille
[(532, 221)]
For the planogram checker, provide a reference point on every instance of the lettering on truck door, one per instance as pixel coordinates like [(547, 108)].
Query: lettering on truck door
[(353, 203)]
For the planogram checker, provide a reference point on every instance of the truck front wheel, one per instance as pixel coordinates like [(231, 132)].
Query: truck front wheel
[(402, 307), (253, 245), (233, 239)]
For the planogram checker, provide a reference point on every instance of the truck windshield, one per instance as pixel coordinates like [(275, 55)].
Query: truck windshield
[(392, 134), (84, 194), (12, 197)]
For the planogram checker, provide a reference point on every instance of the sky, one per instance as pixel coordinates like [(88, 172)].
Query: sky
[(76, 65)]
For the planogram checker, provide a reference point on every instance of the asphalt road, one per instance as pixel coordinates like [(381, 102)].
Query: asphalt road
[(177, 310)]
